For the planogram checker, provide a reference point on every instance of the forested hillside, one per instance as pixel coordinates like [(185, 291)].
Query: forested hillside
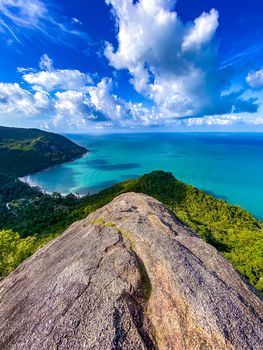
[(25, 151)]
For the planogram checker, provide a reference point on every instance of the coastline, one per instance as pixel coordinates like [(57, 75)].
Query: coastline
[(27, 179)]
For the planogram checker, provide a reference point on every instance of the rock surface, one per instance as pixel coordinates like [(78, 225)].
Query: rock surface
[(130, 276)]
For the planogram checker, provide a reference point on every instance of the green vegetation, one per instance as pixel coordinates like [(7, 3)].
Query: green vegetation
[(14, 250), (232, 230), (25, 151)]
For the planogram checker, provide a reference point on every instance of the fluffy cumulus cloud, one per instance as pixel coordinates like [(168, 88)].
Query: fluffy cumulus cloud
[(201, 32), (69, 99), (170, 62), (109, 105), (49, 79), (255, 79), (73, 110), (14, 99)]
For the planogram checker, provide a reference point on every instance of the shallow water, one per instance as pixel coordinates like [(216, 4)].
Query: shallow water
[(229, 166)]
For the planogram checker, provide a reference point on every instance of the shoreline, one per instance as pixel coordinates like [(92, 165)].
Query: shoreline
[(27, 180)]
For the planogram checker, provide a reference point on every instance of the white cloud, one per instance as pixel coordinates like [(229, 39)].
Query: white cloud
[(46, 63), (14, 99), (255, 79), (58, 79), (73, 110), (202, 32), (62, 95), (76, 101), (223, 120), (50, 79), (226, 119), (150, 40), (72, 103), (73, 98), (106, 103), (76, 109), (170, 62), (70, 99)]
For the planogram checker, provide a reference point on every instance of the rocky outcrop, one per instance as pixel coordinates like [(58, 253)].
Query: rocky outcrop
[(130, 276)]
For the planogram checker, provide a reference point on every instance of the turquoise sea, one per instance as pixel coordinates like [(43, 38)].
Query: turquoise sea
[(229, 166)]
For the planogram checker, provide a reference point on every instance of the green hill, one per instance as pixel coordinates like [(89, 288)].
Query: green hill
[(25, 151), (38, 218)]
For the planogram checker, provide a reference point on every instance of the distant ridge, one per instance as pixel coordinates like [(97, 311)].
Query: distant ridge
[(25, 151)]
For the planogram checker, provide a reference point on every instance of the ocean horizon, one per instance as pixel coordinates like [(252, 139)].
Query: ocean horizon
[(226, 165)]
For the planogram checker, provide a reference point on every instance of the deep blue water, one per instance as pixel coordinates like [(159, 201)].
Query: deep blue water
[(229, 166)]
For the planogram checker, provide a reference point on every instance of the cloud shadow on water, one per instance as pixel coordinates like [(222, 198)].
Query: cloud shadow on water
[(103, 164)]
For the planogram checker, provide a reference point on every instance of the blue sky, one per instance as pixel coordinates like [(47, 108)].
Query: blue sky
[(107, 65)]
